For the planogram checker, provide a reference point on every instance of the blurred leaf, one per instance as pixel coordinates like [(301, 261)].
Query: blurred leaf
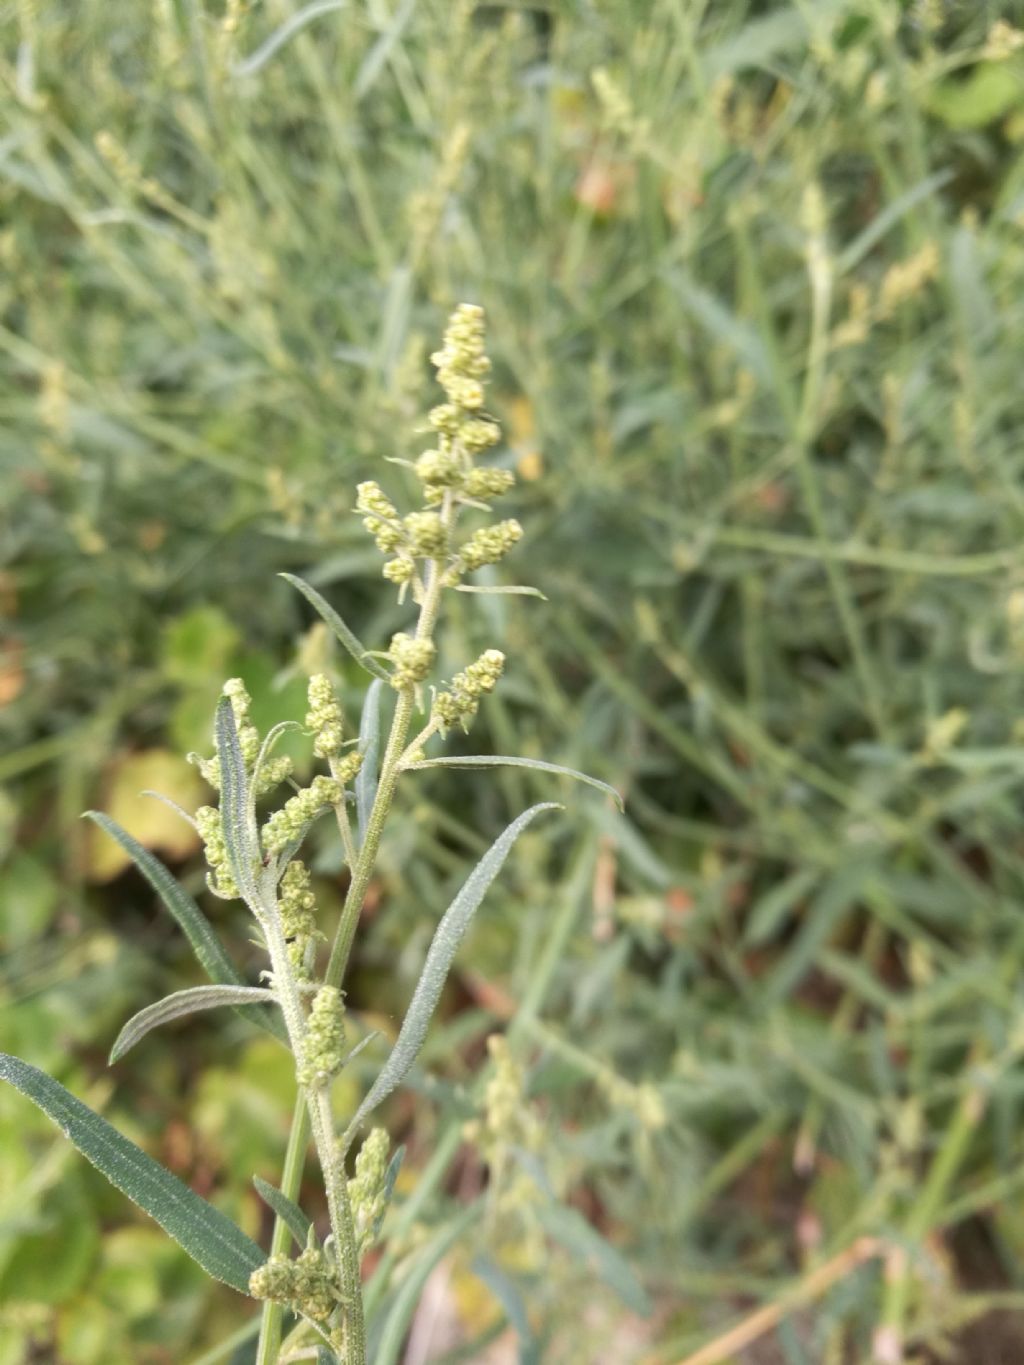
[(989, 92), (505, 761), (28, 899), (152, 824), (570, 1228)]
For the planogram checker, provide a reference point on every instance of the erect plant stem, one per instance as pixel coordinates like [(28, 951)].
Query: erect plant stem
[(313, 1114)]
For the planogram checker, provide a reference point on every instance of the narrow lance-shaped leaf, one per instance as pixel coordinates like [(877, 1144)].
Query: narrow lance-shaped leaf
[(209, 1237), (505, 1290), (345, 636), (204, 942), (395, 1326), (501, 590), (508, 761), (571, 1230), (447, 937), (369, 746), (237, 818), (181, 1003), (286, 1209), (388, 1189)]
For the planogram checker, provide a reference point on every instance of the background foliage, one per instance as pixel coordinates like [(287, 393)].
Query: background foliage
[(754, 274)]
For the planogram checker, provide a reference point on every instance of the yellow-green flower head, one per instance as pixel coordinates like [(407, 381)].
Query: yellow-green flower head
[(324, 717), (489, 545), (366, 1188), (371, 501), (248, 736), (324, 1040), (489, 483), (401, 569), (272, 772), (297, 905), (479, 433), (274, 1280), (412, 659), (460, 704), (440, 467), (316, 1292), (380, 516), (426, 535), (211, 831), (294, 817)]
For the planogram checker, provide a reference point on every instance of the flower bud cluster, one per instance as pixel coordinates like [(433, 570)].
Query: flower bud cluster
[(291, 821), (486, 546), (220, 880), (462, 361), (271, 773), (324, 717), (366, 1191), (380, 516), (460, 704), (298, 914), (324, 1040), (507, 1119), (308, 1284), (412, 659), (426, 537)]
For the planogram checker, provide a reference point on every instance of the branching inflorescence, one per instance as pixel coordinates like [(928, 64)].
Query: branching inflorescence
[(253, 855)]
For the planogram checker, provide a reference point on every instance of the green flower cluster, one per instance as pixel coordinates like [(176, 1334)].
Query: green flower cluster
[(412, 659), (486, 546), (271, 773), (308, 1284), (298, 915), (461, 703), (324, 1040), (294, 817), (366, 1189), (447, 471), (324, 717), (219, 879)]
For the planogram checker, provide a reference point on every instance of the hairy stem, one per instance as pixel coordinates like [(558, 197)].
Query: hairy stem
[(342, 1225), (314, 1114)]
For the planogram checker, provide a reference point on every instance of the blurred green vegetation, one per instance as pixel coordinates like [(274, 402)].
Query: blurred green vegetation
[(754, 275)]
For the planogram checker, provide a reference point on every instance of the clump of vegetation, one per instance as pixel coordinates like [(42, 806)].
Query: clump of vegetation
[(254, 858)]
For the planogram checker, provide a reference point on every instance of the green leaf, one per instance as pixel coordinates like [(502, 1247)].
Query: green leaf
[(991, 90), (339, 627), (236, 813), (178, 1005), (209, 1237), (325, 1357), (447, 937), (369, 747), (286, 1209), (504, 1289), (572, 1231), (388, 1189), (396, 1324), (292, 25), (514, 590), (205, 943), (507, 761)]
